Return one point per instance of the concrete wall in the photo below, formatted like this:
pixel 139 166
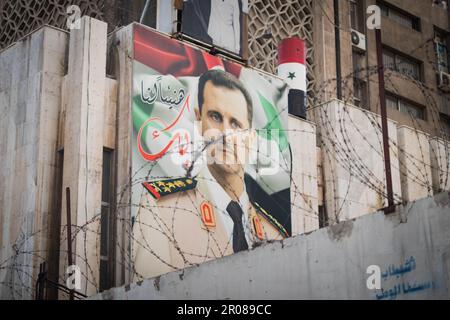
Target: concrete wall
pixel 31 72
pixel 304 184
pixel 411 248
pixel 353 161
pixel 415 163
pixel 44 111
pixel 121 45
pixel 83 148
pixel 440 164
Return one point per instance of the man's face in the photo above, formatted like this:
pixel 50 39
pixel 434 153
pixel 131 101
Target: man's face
pixel 224 120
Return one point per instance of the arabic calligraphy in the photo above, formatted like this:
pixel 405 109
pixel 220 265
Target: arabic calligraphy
pixel 408 266
pixel 182 138
pixel 171 96
pixel 405 287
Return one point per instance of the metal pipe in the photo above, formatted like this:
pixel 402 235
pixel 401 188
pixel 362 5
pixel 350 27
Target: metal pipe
pixel 337 38
pixel 384 124
pixel 144 11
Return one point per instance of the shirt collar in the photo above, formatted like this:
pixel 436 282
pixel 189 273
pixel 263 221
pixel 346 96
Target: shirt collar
pixel 214 192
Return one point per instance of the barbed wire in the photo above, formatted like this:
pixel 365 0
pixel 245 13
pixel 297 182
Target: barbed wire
pixel 345 146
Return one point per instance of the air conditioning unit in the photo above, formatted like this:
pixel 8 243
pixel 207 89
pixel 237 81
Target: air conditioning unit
pixel 444 81
pixel 358 40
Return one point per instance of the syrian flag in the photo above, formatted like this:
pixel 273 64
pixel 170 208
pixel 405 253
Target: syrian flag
pixel 292 69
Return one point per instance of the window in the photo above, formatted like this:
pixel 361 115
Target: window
pixel 356 15
pixel 445 126
pixel 359 80
pixel 106 222
pixel 414 110
pixel 399 16
pixel 440 3
pixel 359 64
pixel 360 93
pixel 442 58
pixel 401 63
pixel 323 219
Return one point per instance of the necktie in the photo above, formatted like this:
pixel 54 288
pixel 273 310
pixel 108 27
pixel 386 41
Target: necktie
pixel 239 241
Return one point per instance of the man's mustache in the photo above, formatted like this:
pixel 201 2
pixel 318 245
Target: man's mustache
pixel 221 145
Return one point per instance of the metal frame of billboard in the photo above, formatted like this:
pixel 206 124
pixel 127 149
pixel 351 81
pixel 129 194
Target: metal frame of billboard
pixel 222 53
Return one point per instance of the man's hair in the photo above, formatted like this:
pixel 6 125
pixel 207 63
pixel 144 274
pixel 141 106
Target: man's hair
pixel 224 79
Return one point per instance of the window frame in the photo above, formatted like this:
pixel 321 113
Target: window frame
pixel 398 54
pixel 445 125
pixel 360 101
pixel 387 8
pixel 360 80
pixel 357 23
pixel 398 99
pixel 444 35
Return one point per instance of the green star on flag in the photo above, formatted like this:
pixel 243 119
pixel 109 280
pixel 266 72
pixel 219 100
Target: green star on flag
pixel 291 75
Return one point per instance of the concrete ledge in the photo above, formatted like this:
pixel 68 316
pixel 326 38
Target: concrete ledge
pixel 330 263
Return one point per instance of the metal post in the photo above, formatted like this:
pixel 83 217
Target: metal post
pixel 69 233
pixel 144 11
pixel 337 39
pixel 39 283
pixel 384 124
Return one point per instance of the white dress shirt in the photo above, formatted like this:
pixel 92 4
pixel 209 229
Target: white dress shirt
pixel 210 190
pixel 224 24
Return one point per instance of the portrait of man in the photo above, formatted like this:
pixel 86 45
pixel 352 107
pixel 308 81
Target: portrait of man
pixel 186 221
pixel 216 22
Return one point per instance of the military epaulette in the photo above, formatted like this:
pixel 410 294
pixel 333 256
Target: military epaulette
pixel 271 220
pixel 161 188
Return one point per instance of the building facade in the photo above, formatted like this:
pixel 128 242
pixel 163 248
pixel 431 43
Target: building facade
pixel 415 55
pixel 65 98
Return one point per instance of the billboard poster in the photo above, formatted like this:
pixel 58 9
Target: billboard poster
pixel 216 22
pixel 211 160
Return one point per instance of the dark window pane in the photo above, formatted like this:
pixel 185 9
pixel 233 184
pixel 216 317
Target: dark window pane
pixel 408 67
pixel 106 176
pixel 442 56
pixel 391 102
pixel 445 127
pixel 104 275
pixel 402 105
pixel 360 93
pixel 388 60
pixel 104 222
pixel 414 111
pixel 405 19
pixel 402 64
pixel 357 15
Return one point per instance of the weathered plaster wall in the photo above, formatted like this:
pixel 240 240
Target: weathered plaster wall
pixel 330 263
pixel 353 160
pixel 31 73
pixel 304 184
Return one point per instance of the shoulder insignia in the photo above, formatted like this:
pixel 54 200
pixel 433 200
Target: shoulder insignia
pixel 161 188
pixel 271 220
pixel 258 228
pixel 207 213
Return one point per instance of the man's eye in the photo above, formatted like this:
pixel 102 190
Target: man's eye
pixel 215 117
pixel 235 125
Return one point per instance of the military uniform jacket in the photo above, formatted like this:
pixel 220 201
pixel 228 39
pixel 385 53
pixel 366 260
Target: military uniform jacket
pixel 178 225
